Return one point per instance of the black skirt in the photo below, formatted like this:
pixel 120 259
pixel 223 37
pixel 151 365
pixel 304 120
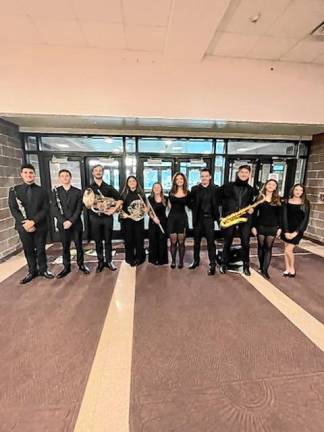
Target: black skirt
pixel 294 241
pixel 267 230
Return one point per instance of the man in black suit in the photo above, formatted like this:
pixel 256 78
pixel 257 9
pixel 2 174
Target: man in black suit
pixel 203 201
pixel 102 223
pixel 67 208
pixel 29 205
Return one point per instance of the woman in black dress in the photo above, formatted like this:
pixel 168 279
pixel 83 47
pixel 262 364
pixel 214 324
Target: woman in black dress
pixel 133 194
pixel 158 246
pixel 295 217
pixel 266 224
pixel 177 223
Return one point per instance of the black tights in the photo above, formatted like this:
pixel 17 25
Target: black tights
pixel 177 241
pixel 265 244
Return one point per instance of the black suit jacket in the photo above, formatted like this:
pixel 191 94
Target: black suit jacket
pixel 36 210
pixel 72 205
pixel 234 198
pixel 195 201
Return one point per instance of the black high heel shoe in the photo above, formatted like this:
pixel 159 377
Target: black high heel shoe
pixel 292 275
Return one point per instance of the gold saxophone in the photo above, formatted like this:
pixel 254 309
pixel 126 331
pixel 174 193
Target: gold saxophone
pixel 236 217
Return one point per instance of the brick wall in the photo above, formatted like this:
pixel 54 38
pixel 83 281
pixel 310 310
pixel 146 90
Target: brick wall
pixel 315 187
pixel 10 161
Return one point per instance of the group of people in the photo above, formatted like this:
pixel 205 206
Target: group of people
pixel 30 205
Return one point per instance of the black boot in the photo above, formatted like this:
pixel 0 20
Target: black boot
pixel 194 264
pixel 64 272
pixel 84 269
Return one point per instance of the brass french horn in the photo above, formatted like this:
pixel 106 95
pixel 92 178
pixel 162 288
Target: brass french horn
pixel 97 203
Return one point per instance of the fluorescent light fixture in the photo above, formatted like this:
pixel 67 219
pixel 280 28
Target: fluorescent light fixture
pixel 109 140
pixel 63 145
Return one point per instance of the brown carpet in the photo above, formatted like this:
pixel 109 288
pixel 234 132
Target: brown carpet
pixel 49 335
pixel 210 354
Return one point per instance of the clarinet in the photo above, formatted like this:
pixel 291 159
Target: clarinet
pixel 58 201
pixel 19 204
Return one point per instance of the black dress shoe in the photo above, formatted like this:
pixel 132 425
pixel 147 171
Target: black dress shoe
pixel 47 274
pixel 223 269
pixel 132 264
pixel 63 273
pixel 100 267
pixel 111 266
pixel 84 269
pixel 194 264
pixel 28 278
pixel 180 265
pixel 173 265
pixel 292 275
pixel 246 270
pixel 211 270
pixel 265 274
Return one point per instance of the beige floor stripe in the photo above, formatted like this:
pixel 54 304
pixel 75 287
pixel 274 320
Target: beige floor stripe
pixel 312 247
pixel 305 322
pixel 105 405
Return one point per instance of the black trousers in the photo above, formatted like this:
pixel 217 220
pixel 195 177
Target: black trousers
pixel 244 231
pixel 158 246
pixel 34 248
pixel 101 229
pixel 205 228
pixel 134 241
pixel 66 239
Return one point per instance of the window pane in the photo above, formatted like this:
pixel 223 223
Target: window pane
pixel 265 148
pixel 130 145
pixel 172 145
pixel 219 170
pixel 130 164
pixel 220 146
pixel 82 144
pixel 300 171
pixel 33 159
pixel 31 143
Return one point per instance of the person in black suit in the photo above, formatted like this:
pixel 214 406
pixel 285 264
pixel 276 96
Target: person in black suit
pixel 101 224
pixel 67 208
pixel 29 205
pixel 203 201
pixel 235 196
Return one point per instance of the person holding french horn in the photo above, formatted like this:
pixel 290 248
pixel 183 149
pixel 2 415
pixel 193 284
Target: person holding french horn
pixel 102 201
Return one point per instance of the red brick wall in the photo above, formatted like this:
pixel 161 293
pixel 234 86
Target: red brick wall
pixel 10 161
pixel 315 187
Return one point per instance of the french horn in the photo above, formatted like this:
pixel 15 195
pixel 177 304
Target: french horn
pixel 97 203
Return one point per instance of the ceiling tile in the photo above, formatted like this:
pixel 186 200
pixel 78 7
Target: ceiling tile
pixel 99 10
pixel 305 51
pixel 272 48
pixel 239 20
pixel 104 35
pixel 234 44
pixel 145 38
pixel 147 12
pixel 299 19
pixel 12 7
pixel 56 32
pixel 18 29
pixel 62 9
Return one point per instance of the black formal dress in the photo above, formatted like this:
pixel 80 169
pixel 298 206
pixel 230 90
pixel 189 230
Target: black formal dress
pixel 295 217
pixel 66 205
pixel 133 232
pixel 204 203
pixel 267 220
pixel 235 196
pixel 35 203
pixel 177 222
pixel 101 225
pixel 158 246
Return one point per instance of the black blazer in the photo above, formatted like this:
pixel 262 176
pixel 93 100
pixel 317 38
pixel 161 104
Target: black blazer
pixel 72 206
pixel 194 201
pixel 36 210
pixel 234 198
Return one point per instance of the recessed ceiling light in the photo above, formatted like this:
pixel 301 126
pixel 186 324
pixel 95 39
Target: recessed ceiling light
pixel 255 18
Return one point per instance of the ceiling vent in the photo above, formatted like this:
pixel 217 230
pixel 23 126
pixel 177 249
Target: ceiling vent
pixel 318 31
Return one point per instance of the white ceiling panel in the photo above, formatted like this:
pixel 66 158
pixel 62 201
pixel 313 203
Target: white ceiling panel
pixel 18 29
pixel 239 21
pixel 299 19
pixel 192 26
pixel 145 38
pixel 62 9
pixel 56 32
pixel 147 12
pixel 272 48
pixel 234 45
pixel 13 7
pixel 99 10
pixel 104 35
pixel 305 51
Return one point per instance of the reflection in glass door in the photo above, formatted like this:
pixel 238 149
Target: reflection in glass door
pixel 234 165
pixel 157 170
pixel 191 169
pixel 276 169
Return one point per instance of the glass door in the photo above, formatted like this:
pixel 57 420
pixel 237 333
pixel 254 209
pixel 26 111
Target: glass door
pixel 273 168
pixel 157 170
pixel 235 163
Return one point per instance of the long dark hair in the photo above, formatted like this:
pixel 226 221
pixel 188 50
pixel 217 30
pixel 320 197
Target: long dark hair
pixel 305 201
pixel 161 194
pixel 275 198
pixel 174 187
pixel 126 188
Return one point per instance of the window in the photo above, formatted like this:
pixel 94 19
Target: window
pixel 31 143
pixel 219 170
pixel 33 159
pixel 175 146
pixel 265 147
pixel 82 144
